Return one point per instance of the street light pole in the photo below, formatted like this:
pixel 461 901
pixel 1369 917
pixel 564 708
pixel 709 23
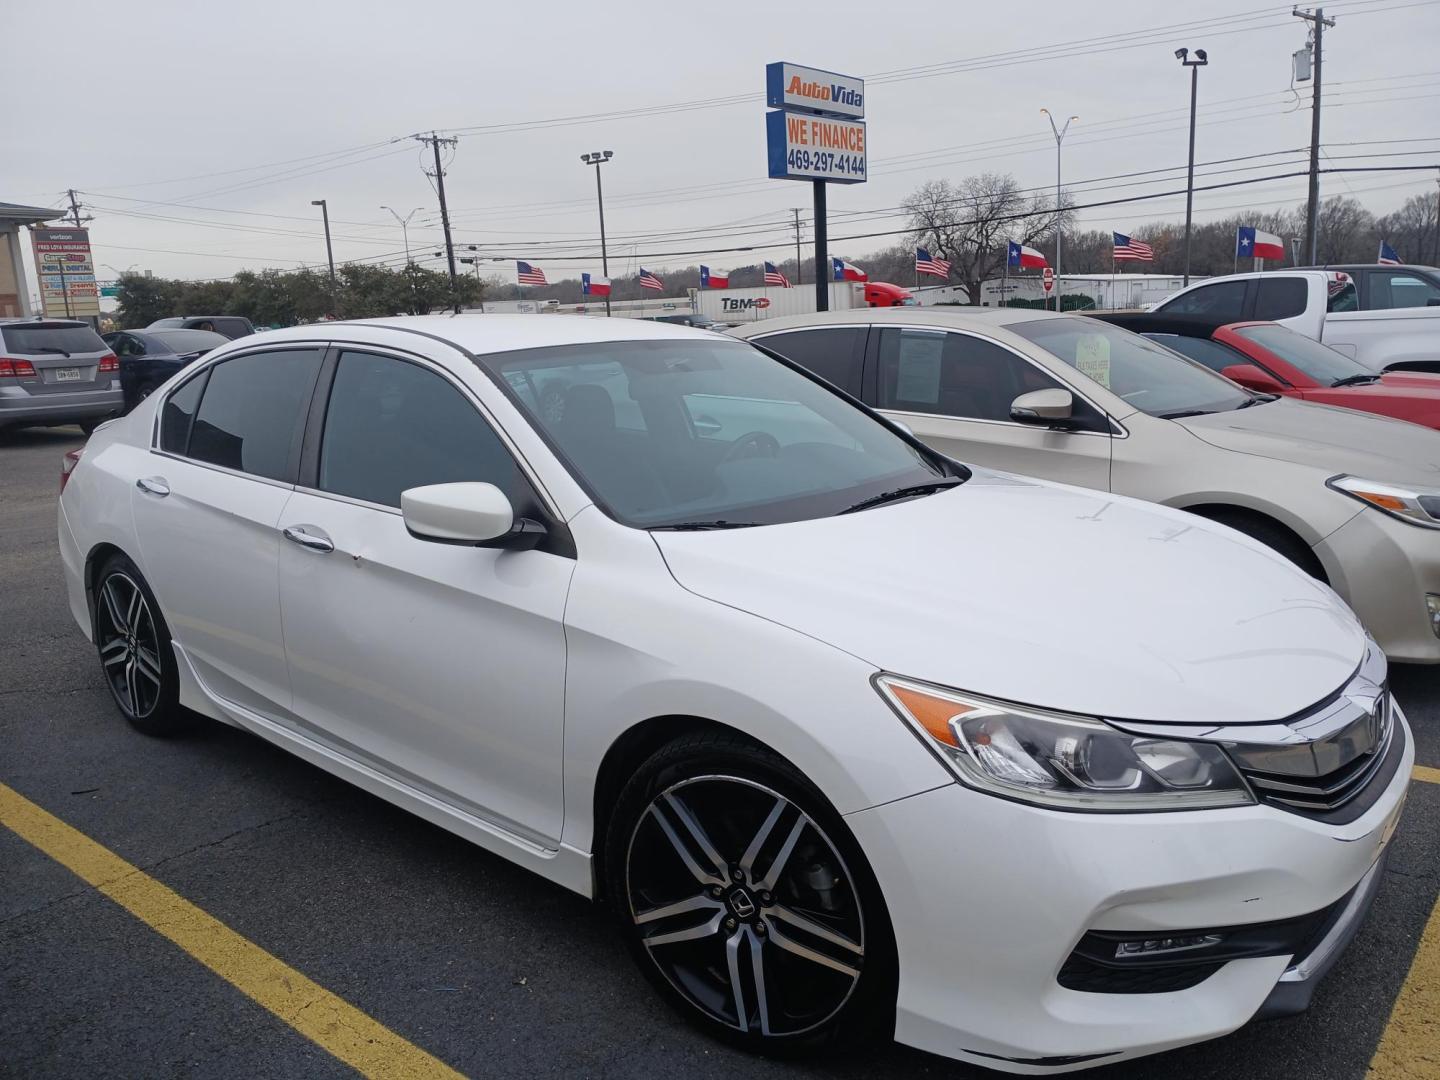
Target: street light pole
pixel 1059 138
pixel 598 158
pixel 1200 60
pixel 329 251
pixel 404 228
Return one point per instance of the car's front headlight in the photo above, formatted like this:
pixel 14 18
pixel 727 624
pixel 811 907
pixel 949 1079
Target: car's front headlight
pixel 1417 506
pixel 1060 761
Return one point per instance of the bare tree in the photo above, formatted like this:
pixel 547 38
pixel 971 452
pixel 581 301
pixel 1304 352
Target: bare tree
pixel 1414 230
pixel 969 223
pixel 1345 230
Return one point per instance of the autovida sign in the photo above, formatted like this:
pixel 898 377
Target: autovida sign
pixel 819 131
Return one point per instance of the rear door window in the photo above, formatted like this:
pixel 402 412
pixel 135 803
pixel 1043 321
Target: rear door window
pixel 1281 298
pixel 178 415
pixel 833 353
pixel 250 415
pixel 1223 300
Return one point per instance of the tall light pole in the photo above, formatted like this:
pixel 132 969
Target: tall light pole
pixel 598 158
pixel 329 251
pixel 404 227
pixel 1059 138
pixel 1199 61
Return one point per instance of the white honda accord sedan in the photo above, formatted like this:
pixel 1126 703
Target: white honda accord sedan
pixel 851 737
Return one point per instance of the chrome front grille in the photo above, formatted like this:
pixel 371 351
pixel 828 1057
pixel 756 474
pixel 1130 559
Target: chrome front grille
pixel 1370 738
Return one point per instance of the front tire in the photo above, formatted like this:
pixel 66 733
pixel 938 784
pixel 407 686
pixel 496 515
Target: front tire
pixel 136 656
pixel 746 901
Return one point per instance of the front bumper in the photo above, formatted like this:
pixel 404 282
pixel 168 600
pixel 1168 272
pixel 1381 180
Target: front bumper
pixel 1383 568
pixel 985 920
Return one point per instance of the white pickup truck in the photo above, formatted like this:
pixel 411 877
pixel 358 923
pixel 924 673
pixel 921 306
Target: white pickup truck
pixel 1385 317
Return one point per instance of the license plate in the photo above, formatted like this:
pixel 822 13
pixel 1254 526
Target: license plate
pixel 68 374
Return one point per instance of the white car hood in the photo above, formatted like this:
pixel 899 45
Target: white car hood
pixel 1047 595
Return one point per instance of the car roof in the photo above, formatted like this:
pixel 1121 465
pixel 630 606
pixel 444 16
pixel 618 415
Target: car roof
pixel 1351 268
pixel 493 333
pixel 39 320
pixel 1181 325
pixel 958 318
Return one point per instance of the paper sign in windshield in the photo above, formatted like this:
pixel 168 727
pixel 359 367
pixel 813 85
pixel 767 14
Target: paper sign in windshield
pixel 1092 358
pixel 918 377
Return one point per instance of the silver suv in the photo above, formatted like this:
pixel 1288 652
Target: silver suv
pixel 56 371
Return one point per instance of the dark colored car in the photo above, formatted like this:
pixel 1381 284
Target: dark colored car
pixel 232 326
pixel 149 357
pixel 1273 359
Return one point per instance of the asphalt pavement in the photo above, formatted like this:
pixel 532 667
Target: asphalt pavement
pixel 485 967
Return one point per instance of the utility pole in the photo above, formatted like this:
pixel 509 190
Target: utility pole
pixel 798 264
pixel 435 142
pixel 1200 60
pixel 822 239
pixel 74 208
pixel 1317 22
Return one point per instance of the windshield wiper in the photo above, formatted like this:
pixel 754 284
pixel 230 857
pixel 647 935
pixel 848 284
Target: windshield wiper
pixel 700 526
pixel 1356 380
pixel 1258 399
pixel 1184 413
pixel 910 492
pixel 52 349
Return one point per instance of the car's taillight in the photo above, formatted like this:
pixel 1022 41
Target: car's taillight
pixel 67 465
pixel 16 369
pixel 109 362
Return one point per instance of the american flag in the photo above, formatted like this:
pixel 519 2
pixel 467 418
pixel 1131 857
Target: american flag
pixel 1387 256
pixel 774 277
pixel 650 281
pixel 530 275
pixel 1126 248
pixel 924 264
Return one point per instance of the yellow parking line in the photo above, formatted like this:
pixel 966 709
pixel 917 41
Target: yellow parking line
pixel 1410 1046
pixel 334 1025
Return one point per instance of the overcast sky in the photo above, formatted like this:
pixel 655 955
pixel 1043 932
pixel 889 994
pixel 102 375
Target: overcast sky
pixel 234 118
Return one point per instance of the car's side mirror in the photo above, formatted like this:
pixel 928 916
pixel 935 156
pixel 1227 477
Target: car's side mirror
pixel 473 514
pixel 1054 406
pixel 1432 301
pixel 1253 378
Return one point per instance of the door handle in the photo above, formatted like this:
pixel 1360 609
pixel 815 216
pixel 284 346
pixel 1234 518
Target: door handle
pixel 309 537
pixel 153 485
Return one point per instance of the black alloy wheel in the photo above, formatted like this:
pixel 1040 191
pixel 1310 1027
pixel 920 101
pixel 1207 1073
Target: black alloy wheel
pixel 135 653
pixel 740 896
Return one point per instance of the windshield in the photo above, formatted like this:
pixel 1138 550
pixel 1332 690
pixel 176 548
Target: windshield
pixel 687 433
pixel 1320 362
pixel 1143 373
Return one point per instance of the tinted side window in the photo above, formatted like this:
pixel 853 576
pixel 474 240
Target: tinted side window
pixel 958 375
pixel 832 353
pixel 250 415
pixel 392 425
pixel 178 414
pixel 1223 300
pixel 1398 290
pixel 1212 354
pixel 1281 298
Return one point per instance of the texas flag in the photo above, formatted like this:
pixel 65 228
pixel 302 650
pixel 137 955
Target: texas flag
pixel 1252 243
pixel 1020 257
pixel 709 279
pixel 593 285
pixel 844 271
